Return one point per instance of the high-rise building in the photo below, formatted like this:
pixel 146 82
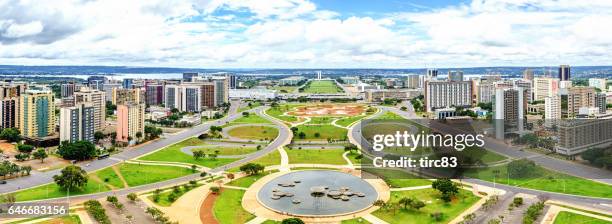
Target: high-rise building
pixel 564 72
pixel 600 102
pixel 432 74
pixel 77 123
pixel 127 83
pixel 154 94
pixel 413 81
pixel 528 74
pixel 130 121
pixel 598 83
pixel 97 99
pixel 108 90
pixel 188 76
pixel 545 87
pixel 190 98
pixel 566 84
pixel 233 80
pixel 552 110
pixel 208 95
pixel 509 109
pixel 37 115
pixel 96 82
pixel 67 89
pixel 578 97
pixel 579 135
pixel 123 96
pixel 172 96
pixel 527 86
pixel 221 91
pixel 9 103
pixel 455 76
pixel 485 93
pixel 441 94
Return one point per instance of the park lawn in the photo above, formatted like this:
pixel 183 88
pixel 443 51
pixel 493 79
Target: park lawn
pixel 253 105
pixel 322 86
pixel 136 175
pixel 226 150
pixel 164 201
pixel 247 181
pixel 254 132
pixel 355 221
pixel 271 222
pixel 547 180
pixel 288 89
pixel 398 178
pixel 251 119
pixel 228 209
pixel 269 159
pixel 109 176
pixel 345 122
pixel 433 203
pixel 389 116
pixel 325 132
pixel 278 112
pixel 321 120
pixel 318 156
pixel 352 157
pixel 565 217
pixel 484 155
pixel 173 154
pixel 52 190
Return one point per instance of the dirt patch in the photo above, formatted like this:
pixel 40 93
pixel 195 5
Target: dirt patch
pixel 327 110
pixel 7 148
pixel 118 172
pixel 206 210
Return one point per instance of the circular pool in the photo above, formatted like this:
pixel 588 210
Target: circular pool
pixel 317 193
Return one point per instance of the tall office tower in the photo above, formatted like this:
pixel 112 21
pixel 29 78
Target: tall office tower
pixel 432 74
pixel 564 72
pixel 552 108
pixel 544 87
pixel 578 97
pixel 108 90
pixel 528 74
pixel 127 83
pixel 221 91
pixel 413 81
pixel 123 96
pixel 441 94
pixel 509 110
pixel 486 91
pixel 190 98
pixel 188 76
pixel 599 83
pixel 455 76
pixel 154 94
pixel 37 115
pixel 97 99
pixel 130 121
pixel 600 102
pixel 233 80
pixel 9 103
pixel 208 95
pixel 527 86
pixel 96 82
pixel 67 89
pixel 172 96
pixel 77 123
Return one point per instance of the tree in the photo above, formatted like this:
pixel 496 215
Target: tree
pixel 405 201
pixel 417 204
pixel 98 135
pixel 521 168
pixel 132 197
pixel 446 187
pixel 138 135
pixel 198 154
pixel 72 177
pixel 79 150
pixel 379 203
pixel 317 135
pixel 292 221
pixel 25 148
pixel 215 190
pixel 245 114
pixel 40 154
pixel 251 168
pixel 194 168
pixel 10 134
pixel 294 129
pixel 302 135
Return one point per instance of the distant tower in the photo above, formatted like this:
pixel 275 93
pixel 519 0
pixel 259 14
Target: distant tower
pixel 528 74
pixel 319 75
pixel 432 74
pixel 564 72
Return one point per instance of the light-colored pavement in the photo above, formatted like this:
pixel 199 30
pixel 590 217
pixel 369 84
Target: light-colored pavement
pixel 284 166
pixel 373 219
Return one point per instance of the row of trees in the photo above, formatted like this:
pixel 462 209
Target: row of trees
pixel 8 169
pixel 27 151
pixel 600 157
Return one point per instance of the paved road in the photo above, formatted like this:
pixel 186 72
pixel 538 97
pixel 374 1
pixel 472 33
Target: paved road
pixel 40 178
pixel 550 163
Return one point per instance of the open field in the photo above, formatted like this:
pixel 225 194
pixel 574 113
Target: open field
pixel 52 190
pixel 565 217
pixel 173 154
pixel 251 119
pixel 463 201
pixel 325 132
pixel 247 181
pixel 164 199
pixel 228 209
pixel 136 175
pixel 226 150
pixel 322 86
pixel 319 156
pixel 328 110
pixel 254 132
pixel 398 178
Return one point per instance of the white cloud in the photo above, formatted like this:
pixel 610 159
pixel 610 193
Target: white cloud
pixel 22 30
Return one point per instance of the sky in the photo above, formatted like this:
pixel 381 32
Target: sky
pixel 306 33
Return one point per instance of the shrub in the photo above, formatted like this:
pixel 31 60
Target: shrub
pixel 95 209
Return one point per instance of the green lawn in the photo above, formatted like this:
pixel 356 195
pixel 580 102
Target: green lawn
pixel 163 197
pixel 136 175
pixel 288 89
pixel 545 180
pixel 253 105
pixel 322 86
pixel 109 176
pixel 271 222
pixel 52 190
pixel 565 217
pixel 251 119
pixel 345 122
pixel 67 219
pixel 278 112
pixel 463 201
pixel 269 159
pixel 355 221
pixel 325 132
pixel 352 156
pixel 318 156
pixel 398 178
pixel 249 180
pixel 254 132
pixel 228 209
pixel 389 116
pixel 173 154
pixel 225 150
pixel 321 120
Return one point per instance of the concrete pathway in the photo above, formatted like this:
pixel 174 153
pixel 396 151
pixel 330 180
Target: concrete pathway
pixel 348 161
pixel 257 220
pixel 234 187
pixel 188 150
pixel 554 210
pixel 373 219
pixel 284 166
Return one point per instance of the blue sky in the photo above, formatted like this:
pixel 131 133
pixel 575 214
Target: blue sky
pixel 306 33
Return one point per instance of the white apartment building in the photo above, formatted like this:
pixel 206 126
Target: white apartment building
pixel 598 83
pixel 545 87
pixel 442 94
